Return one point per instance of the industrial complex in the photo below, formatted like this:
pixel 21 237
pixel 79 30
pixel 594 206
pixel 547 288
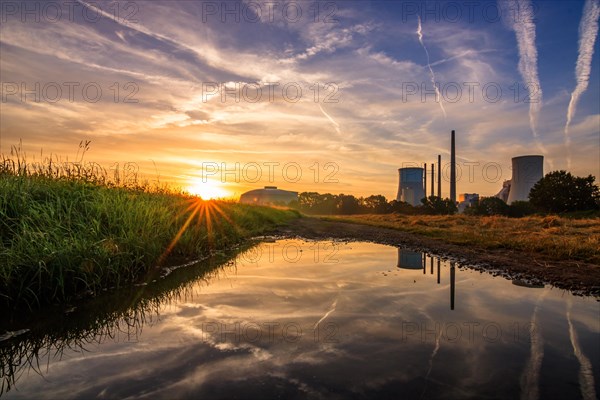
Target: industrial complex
pixel 413 184
pixel 412 187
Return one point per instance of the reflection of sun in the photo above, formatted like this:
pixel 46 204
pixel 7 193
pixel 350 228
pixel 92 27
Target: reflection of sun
pixel 207 190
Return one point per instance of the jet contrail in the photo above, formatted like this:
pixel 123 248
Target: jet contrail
pixel 431 73
pixel 588 31
pixel 524 26
pixel 586 373
pixel 335 124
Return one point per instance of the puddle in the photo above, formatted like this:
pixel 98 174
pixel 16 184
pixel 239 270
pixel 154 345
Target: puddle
pixel 303 319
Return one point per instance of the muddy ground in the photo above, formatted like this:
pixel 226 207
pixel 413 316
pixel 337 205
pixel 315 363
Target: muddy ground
pixel 578 277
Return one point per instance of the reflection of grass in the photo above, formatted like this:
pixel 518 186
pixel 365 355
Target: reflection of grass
pixel 116 315
pixel 556 237
pixel 66 229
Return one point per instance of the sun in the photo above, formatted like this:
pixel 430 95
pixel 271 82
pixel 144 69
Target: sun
pixel 207 190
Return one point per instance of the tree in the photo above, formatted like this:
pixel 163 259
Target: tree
pixel 436 206
pixel 376 204
pixel 488 206
pixel 316 203
pixel 401 207
pixel 347 204
pixel 559 191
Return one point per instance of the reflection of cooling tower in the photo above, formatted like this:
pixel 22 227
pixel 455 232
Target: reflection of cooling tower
pixel 410 259
pixel 527 171
pixel 519 282
pixel 410 188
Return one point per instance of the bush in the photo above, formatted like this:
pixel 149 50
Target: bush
pixel 433 205
pixel 488 206
pixel 519 209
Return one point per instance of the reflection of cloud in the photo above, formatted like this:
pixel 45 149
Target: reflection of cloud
pixel 331 309
pixel 530 379
pixel 181 356
pixel 586 372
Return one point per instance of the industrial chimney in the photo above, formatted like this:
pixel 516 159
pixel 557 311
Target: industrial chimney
pixel 453 169
pixel 439 176
pixel 432 179
pixel 425 179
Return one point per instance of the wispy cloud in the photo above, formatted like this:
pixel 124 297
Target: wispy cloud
pixel 588 31
pixel 522 22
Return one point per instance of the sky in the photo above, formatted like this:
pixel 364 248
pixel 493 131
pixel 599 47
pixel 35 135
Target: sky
pixel 220 97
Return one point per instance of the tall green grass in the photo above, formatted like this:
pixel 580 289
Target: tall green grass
pixel 67 230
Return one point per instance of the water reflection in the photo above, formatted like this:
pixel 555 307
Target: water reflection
pixel 408 259
pixel 325 320
pixel 116 316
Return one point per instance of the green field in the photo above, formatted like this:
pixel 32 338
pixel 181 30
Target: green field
pixel 65 236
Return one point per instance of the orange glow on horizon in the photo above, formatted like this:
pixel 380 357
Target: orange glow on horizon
pixel 208 190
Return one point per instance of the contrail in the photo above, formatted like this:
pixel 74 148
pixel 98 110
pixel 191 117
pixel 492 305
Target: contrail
pixel 524 26
pixel 335 124
pixel 588 31
pixel 586 374
pixel 530 379
pixel 431 73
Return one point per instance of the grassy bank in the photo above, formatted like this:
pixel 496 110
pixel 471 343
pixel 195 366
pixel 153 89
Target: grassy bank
pixel 63 237
pixel 556 237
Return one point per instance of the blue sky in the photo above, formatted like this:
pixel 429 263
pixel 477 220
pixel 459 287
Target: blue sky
pixel 166 56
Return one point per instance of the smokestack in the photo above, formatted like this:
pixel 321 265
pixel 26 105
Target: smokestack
pixel 425 180
pixel 432 178
pixel 440 176
pixel 453 168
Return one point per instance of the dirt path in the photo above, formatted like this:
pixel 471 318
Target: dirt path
pixel 580 278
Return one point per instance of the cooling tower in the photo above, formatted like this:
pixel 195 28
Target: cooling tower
pixel 410 188
pixel 409 259
pixel 527 171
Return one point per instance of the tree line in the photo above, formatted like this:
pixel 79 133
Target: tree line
pixel 557 192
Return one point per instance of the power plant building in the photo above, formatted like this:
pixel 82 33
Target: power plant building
pixel 467 200
pixel 410 187
pixel 270 195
